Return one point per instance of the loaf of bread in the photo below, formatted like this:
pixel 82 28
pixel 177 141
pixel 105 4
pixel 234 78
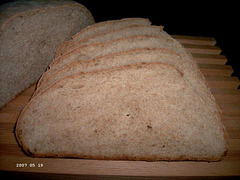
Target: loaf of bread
pixel 121 58
pixel 123 91
pixel 135 112
pixel 101 49
pixel 30 33
pixel 138 41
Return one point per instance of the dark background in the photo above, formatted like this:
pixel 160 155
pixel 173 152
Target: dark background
pixel 219 19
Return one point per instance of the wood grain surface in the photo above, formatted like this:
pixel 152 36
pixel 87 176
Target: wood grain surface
pixel 224 88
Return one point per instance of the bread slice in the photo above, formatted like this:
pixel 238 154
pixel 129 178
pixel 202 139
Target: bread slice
pixel 121 58
pixel 116 34
pixel 137 56
pixel 139 41
pixel 102 27
pixel 30 33
pixel 101 49
pixel 136 112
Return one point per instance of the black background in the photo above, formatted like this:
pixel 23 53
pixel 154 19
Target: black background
pixel 199 18
pixel 219 20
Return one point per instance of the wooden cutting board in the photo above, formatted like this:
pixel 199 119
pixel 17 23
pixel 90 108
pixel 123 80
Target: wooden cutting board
pixel 224 88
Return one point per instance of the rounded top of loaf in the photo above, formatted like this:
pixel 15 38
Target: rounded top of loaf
pixel 11 9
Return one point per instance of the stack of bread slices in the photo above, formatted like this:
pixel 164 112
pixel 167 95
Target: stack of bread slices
pixel 124 90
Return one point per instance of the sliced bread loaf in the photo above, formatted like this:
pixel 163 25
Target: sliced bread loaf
pixel 102 27
pixel 116 34
pixel 136 112
pixel 138 56
pixel 100 49
pixel 30 33
pixel 121 58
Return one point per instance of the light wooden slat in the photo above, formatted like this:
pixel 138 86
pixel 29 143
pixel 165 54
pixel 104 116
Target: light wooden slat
pixel 7 127
pixel 29 91
pixel 234 144
pixel 202 49
pixel 215 66
pixel 209 58
pixel 232 156
pixel 11 108
pixel 233 127
pixel 220 78
pixel 216 70
pixel 22 99
pixel 232 124
pixel 128 168
pixel 11 150
pixel 230 118
pixel 230 109
pixel 227 99
pixel 222 82
pixel 7 138
pixel 195 40
pixel 222 91
pixel 8 117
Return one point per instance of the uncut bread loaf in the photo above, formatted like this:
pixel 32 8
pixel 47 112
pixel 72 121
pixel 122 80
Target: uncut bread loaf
pixel 116 34
pixel 135 112
pixel 30 33
pixel 102 27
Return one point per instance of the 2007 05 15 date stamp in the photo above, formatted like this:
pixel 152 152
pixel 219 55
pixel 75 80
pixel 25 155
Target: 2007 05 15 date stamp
pixel 31 165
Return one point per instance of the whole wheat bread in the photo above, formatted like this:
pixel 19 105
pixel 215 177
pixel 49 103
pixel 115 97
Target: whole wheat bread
pixel 30 33
pixel 137 56
pixel 121 58
pixel 116 34
pixel 100 49
pixel 102 27
pixel 139 41
pixel 136 112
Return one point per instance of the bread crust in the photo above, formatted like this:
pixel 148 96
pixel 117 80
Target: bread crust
pixel 109 56
pixel 70 53
pixel 11 15
pixel 71 3
pixel 71 46
pixel 73 40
